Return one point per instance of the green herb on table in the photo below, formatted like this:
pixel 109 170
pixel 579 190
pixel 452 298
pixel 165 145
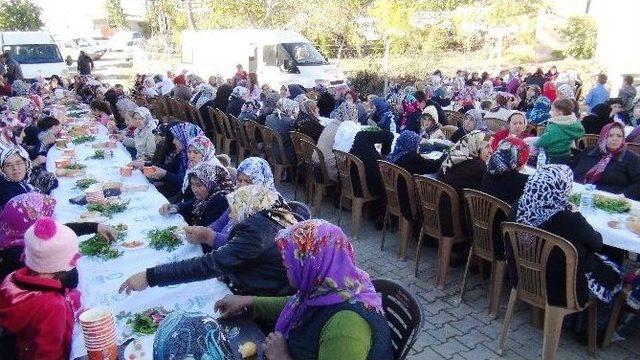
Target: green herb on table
pixel 121 231
pixel 75 166
pixel 85 183
pixel 164 239
pixel 97 155
pixel 83 139
pixel 99 246
pixel 371 128
pixel 147 322
pixel 108 209
pixel 613 205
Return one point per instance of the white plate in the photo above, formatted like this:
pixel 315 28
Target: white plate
pixel 143 244
pixel 137 348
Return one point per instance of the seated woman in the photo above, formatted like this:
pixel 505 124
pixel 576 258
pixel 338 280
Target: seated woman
pixel 563 129
pixel 16 175
pixel 238 96
pixel 531 95
pixel 345 112
pixel 251 171
pixel 335 313
pixel 545 205
pixel 382 114
pixel 473 120
pixel 101 111
pixel 405 154
pixel 539 114
pixel 144 141
pixel 502 109
pixel 430 128
pixel 600 116
pixel 517 128
pixel 611 166
pixel 250 259
pixel 19 214
pixel 503 178
pixel 281 121
pixel 307 121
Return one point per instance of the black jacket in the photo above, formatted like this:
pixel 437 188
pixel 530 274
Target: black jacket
pixel 326 104
pixel 621 176
pixel 85 65
pixel 593 124
pixel 364 149
pixel 250 260
pixel 507 187
pixel 417 165
pixel 467 174
pixel 234 107
pixel 457 135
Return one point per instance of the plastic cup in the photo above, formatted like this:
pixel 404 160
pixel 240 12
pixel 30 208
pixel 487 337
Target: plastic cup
pixel 126 171
pixel 107 353
pixel 148 170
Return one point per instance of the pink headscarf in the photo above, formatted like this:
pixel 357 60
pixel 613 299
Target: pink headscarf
pixel 20 213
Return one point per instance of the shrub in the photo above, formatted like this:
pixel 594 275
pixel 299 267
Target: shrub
pixel 367 82
pixel 580 34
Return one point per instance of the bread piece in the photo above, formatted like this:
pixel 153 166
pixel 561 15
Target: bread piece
pixel 248 349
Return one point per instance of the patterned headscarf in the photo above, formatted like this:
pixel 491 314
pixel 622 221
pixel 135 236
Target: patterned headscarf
pixel 606 156
pixel 269 104
pixel 240 92
pixel 307 112
pixel 511 154
pixel 249 110
pixel 203 146
pixel 184 132
pixel 347 112
pixel 20 213
pixel 467 148
pixel 540 111
pixel 217 181
pixel 410 105
pixel 20 88
pixel 478 118
pixel 545 194
pixel 258 170
pixel 149 121
pixel 30 113
pixel 16 103
pixel 207 92
pixel 10 129
pixel 252 199
pixel 406 143
pixel 567 91
pixel 287 107
pixel 6 153
pixel 320 264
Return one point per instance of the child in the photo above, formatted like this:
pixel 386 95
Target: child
pixel 35 305
pixel 101 110
pixel 562 130
pixel 430 128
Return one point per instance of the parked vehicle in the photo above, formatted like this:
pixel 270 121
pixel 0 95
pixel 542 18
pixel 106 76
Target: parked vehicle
pixel 278 57
pixel 72 47
pixel 122 40
pixel 36 51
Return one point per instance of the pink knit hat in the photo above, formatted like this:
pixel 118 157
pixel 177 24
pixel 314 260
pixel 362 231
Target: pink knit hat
pixel 50 247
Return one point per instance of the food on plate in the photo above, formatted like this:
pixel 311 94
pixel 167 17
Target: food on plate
pixel 136 351
pixel 99 246
pixel 614 224
pixel 121 231
pixel 164 239
pixel 83 139
pixel 108 209
pixel 97 155
pixel 62 162
pixel 75 166
pixel 134 244
pixel 609 204
pixel 248 349
pixel 147 322
pixel 633 224
pixel 126 171
pixel 84 183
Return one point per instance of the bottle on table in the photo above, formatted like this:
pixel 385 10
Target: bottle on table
pixel 586 198
pixel 392 126
pixel 542 159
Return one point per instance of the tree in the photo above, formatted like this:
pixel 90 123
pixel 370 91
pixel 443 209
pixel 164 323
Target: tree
pixel 261 14
pixel 580 34
pixel 19 15
pixel 115 15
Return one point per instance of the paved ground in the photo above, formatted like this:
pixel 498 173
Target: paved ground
pixel 453 330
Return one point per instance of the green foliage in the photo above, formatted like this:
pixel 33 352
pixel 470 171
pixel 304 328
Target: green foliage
pixel 115 15
pixel 19 15
pixel 367 82
pixel 269 14
pixel 580 34
pixel 504 12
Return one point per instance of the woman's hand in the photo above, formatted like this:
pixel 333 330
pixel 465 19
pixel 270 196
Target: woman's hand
pixel 107 231
pixel 199 235
pixel 275 347
pixel 111 126
pixel 136 164
pixel 232 304
pixel 40 160
pixel 158 173
pixel 136 282
pixel 167 209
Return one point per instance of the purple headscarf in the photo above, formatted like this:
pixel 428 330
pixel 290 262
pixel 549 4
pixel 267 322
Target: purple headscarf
pixel 20 213
pixel 185 132
pixel 320 264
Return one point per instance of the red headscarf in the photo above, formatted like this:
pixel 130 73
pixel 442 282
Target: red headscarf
pixel 606 155
pixel 180 80
pixel 549 91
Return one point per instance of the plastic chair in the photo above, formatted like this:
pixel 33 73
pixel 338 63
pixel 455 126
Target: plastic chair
pixel 531 250
pixel 272 140
pixel 216 127
pixel 495 125
pixel 296 138
pixel 482 209
pixel 454 118
pixel 253 129
pixel 391 176
pixel 615 315
pixel 588 141
pixel 242 141
pixel 635 147
pixel 227 132
pixel 449 130
pixel 430 191
pixel 317 183
pixel 345 162
pixel 403 313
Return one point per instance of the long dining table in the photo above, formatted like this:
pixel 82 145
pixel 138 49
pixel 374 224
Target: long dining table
pixel 101 279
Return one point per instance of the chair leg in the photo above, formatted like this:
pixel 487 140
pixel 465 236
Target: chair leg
pixel 278 174
pixel 444 255
pixel 356 215
pixel 339 208
pixel 497 278
pixel 553 318
pixel 405 235
pixel 506 325
pixel 537 317
pixel 613 320
pixel 385 225
pixel 466 274
pixel 318 195
pixel 418 248
pixel 592 327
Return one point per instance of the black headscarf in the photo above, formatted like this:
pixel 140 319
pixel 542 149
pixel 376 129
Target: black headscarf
pixel 222 97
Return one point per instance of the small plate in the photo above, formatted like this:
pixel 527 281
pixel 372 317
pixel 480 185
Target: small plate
pixel 135 244
pixel 136 351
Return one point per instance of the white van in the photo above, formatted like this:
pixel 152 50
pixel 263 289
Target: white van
pixel 278 57
pixel 36 52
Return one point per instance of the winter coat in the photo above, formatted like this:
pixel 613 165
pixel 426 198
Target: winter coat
pixel 559 135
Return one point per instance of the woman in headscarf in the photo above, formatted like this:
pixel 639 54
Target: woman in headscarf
pixel 514 81
pixel 345 113
pixel 15 175
pixel 149 88
pixel 545 205
pixel 382 114
pixel 221 100
pixel 144 140
pixel 549 91
pixel 250 261
pixel 473 120
pixel 430 128
pixel 463 168
pixel 249 110
pixel 204 97
pixel 529 97
pixel 307 122
pixel 503 178
pixel 281 121
pixel 335 312
pixel 611 166
pixel 268 107
pixel 517 122
pixel 405 154
pixel 540 112
pixel 600 116
pixel 412 110
pixel 238 97
pixel 251 171
pixel 326 101
pixel 181 90
pixel 466 97
pixel 486 92
pixel 502 110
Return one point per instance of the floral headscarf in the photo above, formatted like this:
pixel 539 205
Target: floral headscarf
pixel 184 132
pixel 10 129
pixel 567 91
pixel 6 153
pixel 30 113
pixel 20 88
pixel 207 93
pixel 540 111
pixel 307 112
pixel 16 103
pixel 20 213
pixel 347 112
pixel 467 148
pixel 486 91
pixel 240 92
pixel 149 121
pixel 203 146
pixel 258 170
pixel 287 107
pixel 606 156
pixel 320 264
pixel 269 104
pixel 467 96
pixel 511 154
pixel 545 194
pixel 252 199
pixel 249 110
pixel 217 181
pixel 406 143
pixel 410 105
pixel 478 118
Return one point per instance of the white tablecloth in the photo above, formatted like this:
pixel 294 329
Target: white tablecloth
pixel 100 280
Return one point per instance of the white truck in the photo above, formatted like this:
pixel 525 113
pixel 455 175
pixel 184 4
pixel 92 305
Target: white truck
pixel 36 51
pixel 278 57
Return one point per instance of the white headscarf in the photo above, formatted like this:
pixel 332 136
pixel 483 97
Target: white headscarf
pixel 346 135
